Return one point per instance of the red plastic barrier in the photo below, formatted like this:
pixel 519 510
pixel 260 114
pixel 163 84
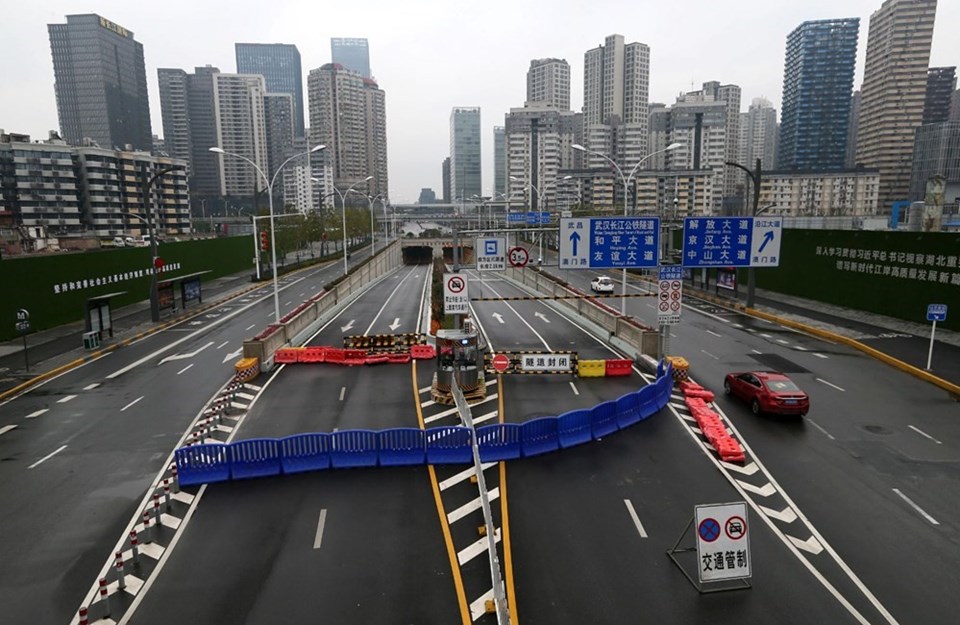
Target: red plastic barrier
pixel 286 355
pixel 702 393
pixel 687 385
pixel 617 366
pixel 354 357
pixel 423 352
pixel 399 359
pixel 334 355
pixel 730 450
pixel 695 404
pixel 376 359
pixel 313 354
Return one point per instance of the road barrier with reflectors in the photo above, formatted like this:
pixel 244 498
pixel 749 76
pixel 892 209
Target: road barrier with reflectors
pixel 218 462
pixel 591 368
pixel 617 367
pixel 710 423
pixel 247 369
pixel 384 341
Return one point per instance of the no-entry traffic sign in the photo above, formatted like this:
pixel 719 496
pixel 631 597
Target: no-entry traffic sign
pixel 500 362
pixel 723 546
pixel 455 299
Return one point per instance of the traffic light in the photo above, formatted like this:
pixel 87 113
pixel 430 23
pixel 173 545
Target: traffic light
pixel 264 242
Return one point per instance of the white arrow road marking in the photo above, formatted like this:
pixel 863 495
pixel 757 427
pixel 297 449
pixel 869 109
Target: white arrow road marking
pixel 764 491
pixel 186 355
pixel 396 324
pixel 131 403
pixel 498 317
pixel 48 456
pixel 810 545
pixel 747 469
pixel 320 524
pixel 636 519
pixel 348 326
pixel 233 355
pixel 787 515
pixel 541 316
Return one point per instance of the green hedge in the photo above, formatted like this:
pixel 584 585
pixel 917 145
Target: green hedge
pixel 55 288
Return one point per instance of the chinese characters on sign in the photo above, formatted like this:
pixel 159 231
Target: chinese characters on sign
pixel 86 283
pixel 553 363
pixel 732 241
pixel 723 547
pixel 670 295
pixel 491 254
pixel 609 242
pixel 455 298
pixel 937 268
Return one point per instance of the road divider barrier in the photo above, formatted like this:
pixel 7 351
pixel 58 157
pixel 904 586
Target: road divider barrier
pixel 202 463
pixel 423 352
pixel 384 341
pixel 310 354
pixel 352 357
pixel 617 367
pixel 592 368
pixel 681 368
pixel 289 355
pixel 711 425
pixel 247 369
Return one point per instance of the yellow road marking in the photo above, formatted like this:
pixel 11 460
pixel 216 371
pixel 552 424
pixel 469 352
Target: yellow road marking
pixel 505 523
pixel 444 526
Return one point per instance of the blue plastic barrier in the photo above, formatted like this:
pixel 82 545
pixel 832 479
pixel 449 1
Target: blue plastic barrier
pixel 401 446
pixel 628 411
pixel 540 436
pixel 604 417
pixel 305 452
pixel 574 428
pixel 499 441
pixel 449 445
pixel 353 448
pixel 648 403
pixel 200 464
pixel 257 457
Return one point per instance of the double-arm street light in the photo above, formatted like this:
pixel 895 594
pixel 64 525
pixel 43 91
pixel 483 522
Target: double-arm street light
pixel 148 220
pixel 540 195
pixel 755 179
pixel 343 212
pixel 626 200
pixel 371 199
pixel 273 231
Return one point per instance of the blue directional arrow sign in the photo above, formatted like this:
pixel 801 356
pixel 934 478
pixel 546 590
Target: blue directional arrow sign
pixel 732 241
pixel 609 242
pixel 936 312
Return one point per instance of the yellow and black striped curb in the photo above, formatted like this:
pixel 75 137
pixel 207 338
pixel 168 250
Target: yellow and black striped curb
pixel 384 341
pixel 530 298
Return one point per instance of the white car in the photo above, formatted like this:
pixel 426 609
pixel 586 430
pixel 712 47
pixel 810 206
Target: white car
pixel 602 284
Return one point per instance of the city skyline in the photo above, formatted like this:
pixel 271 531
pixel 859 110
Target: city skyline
pixel 406 65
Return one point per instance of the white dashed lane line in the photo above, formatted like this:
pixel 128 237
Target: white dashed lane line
pixel 924 434
pixel 37 413
pixel 131 403
pixel 47 457
pixel 919 510
pixel 90 387
pixel 64 400
pixel 714 333
pixel 830 385
pixel 6 429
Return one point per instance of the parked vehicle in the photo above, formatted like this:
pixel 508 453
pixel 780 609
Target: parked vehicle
pixel 767 392
pixel 602 284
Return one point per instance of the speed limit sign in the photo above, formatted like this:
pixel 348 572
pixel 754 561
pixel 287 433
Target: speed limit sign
pixel 518 257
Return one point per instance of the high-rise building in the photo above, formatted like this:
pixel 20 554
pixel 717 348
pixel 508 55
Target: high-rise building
pixel 445 177
pixel 616 86
pixel 348 115
pixel 352 53
pixel 817 82
pixel 698 123
pixel 548 83
pixel 936 151
pixel 851 160
pixel 729 95
pixel 278 115
pixel 175 112
pixel 893 92
pixel 241 129
pixel 100 82
pixel 539 143
pixel 465 167
pixel 758 132
pixel 941 83
pixel 658 130
pixel 955 106
pixel 279 64
pixel 499 161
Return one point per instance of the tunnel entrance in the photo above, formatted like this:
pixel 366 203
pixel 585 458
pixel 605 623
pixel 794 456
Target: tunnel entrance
pixel 417 255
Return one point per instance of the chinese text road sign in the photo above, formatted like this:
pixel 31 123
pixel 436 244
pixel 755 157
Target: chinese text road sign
pixel 516 218
pixel 491 253
pixel 545 363
pixel 937 312
pixel 723 546
pixel 732 241
pixel 455 298
pixel 608 242
pixel 670 295
pixel 538 218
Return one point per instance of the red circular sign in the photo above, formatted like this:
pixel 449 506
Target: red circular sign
pixel 456 284
pixel 500 362
pixel 158 262
pixel 735 527
pixel 518 257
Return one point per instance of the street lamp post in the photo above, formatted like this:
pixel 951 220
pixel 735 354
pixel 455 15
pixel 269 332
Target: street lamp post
pixel 373 199
pixel 273 230
pixel 626 201
pixel 540 195
pixel 148 208
pixel 755 179
pixel 343 212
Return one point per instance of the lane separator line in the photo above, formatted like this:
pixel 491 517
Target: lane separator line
pixel 48 456
pixel 636 519
pixel 924 434
pixel 920 510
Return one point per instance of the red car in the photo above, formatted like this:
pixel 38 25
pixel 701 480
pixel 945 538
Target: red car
pixel 767 392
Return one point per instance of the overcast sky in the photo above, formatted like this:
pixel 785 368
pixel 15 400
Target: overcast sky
pixel 430 56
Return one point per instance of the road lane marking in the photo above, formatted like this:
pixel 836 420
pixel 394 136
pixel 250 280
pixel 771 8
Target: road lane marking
pixel 756 351
pixel 810 545
pixel 783 342
pixel 574 387
pixel 387 302
pixel 131 403
pixel 505 521
pixel 826 433
pixel 922 433
pixel 65 399
pixel 800 348
pixel 479 606
pixel 184 369
pixel 343 391
pixel 636 519
pixel 37 413
pixel 766 336
pixel 222 345
pixel 90 387
pixel 916 507
pixel 320 524
pixel 48 456
pixel 829 384
pixel 709 354
pixel 287 303
pixel 250 327
pixel 715 334
pixel 787 515
pixel 6 429
pixel 819 355
pixel 472 551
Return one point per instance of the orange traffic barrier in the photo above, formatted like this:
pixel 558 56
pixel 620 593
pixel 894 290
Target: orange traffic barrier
pixel 354 356
pixel 423 352
pixel 399 359
pixel 287 355
pixel 334 355
pixel 702 393
pixel 730 450
pixel 376 359
pixel 617 366
pixel 313 354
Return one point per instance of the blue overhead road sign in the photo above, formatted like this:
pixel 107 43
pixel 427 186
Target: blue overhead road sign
pixel 732 241
pixel 516 218
pixel 609 242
